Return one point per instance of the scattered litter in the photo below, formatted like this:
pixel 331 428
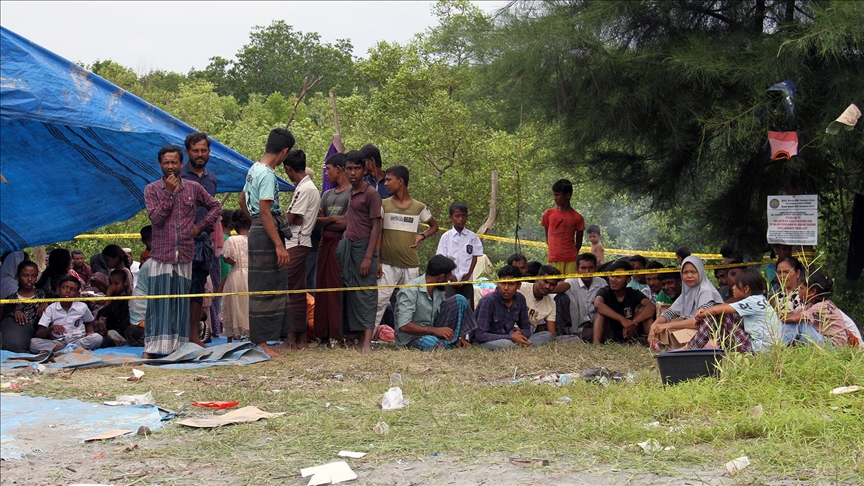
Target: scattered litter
pixel 381 428
pixel 650 446
pixel 98 456
pixel 393 399
pixel 216 405
pixel 137 373
pixel 130 449
pixel 756 412
pixel 109 434
pixel 144 430
pixel 736 465
pixel 564 379
pixel 85 484
pixel 529 462
pixel 333 473
pixel 352 455
pixel 338 376
pixel 327 405
pixel 565 399
pixel 99 395
pixel 395 379
pixel 670 448
pixel 676 428
pixel 845 389
pixel 652 425
pixel 245 414
pixel 143 399
pixel 602 375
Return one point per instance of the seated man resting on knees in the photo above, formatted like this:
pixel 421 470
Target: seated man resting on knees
pixel 502 316
pixel 541 307
pixel 66 322
pixel 425 319
pixel 670 282
pixel 617 318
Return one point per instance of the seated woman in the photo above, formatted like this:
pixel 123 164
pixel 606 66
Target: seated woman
pixel 115 259
pixel 821 322
pixel 784 297
pixel 59 265
pixel 749 324
pixel 696 293
pixel 20 320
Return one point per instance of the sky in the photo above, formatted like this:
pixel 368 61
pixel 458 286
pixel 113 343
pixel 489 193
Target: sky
pixel 178 36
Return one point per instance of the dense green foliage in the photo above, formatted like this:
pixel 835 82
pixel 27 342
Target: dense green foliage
pixel 657 111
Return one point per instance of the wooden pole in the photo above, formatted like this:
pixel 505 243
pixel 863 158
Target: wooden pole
pixel 493 206
pixel 335 112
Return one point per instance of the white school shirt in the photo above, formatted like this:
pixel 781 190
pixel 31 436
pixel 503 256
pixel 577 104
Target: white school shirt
pixel 461 248
pixel 304 202
pixel 73 320
pixel 760 321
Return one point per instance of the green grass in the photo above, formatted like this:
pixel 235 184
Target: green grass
pixel 462 404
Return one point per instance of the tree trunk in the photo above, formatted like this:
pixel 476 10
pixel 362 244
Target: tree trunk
pixel 493 206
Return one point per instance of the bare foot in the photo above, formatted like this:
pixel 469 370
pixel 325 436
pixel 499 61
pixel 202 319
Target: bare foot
pixel 198 342
pixel 230 339
pixel 148 356
pixel 273 354
pixel 367 349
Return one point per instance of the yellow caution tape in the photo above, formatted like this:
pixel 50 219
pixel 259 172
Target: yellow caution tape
pixel 371 287
pixel 539 244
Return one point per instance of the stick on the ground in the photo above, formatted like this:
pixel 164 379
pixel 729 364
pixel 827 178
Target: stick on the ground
pixel 306 88
pixel 493 206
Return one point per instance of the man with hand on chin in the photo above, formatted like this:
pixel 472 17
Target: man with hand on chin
pixel 171 203
pixel 425 319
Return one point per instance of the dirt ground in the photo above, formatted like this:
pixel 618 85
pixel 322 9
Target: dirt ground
pixel 120 462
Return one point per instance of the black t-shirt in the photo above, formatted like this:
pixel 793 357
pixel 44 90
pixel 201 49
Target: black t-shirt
pixel 626 308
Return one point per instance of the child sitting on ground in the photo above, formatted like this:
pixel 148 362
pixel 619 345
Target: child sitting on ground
pixel 235 308
pixel 821 322
pixel 114 317
pixel 758 326
pixel 596 247
pixel 65 322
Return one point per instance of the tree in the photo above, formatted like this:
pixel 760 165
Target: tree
pixel 669 100
pixel 277 59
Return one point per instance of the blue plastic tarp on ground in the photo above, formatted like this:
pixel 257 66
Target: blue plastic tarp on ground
pixel 76 150
pixel 29 423
pixel 189 356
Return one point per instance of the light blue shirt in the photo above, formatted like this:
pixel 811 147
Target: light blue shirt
pixel 261 184
pixel 760 321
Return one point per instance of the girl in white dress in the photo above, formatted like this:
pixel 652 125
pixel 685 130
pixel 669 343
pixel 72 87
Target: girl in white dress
pixel 235 308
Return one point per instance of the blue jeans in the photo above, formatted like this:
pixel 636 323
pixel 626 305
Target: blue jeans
pixel 537 339
pixel 803 333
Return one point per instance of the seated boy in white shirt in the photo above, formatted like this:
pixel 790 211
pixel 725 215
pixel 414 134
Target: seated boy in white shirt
pixel 65 322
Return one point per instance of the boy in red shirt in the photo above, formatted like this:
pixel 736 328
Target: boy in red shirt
pixel 564 229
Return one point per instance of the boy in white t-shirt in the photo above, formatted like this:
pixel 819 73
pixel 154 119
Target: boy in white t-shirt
pixel 758 317
pixel 65 322
pixel 463 246
pixel 541 305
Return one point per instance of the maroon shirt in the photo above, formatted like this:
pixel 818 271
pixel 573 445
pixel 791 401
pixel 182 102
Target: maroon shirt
pixel 363 207
pixel 85 273
pixel 173 218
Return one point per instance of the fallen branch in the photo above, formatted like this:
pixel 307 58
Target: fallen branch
pixel 306 88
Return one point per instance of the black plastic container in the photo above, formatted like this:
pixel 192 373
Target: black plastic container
pixel 678 366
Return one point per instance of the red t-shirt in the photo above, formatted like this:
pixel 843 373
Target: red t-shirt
pixel 561 229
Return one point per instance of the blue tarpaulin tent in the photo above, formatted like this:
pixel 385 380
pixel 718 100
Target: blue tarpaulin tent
pixel 76 151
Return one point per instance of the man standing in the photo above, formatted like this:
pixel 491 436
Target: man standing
pixel 331 221
pixel 425 319
pixel 198 152
pixel 357 254
pixel 268 316
pixel 399 239
pixel 302 213
pixel 374 175
pixel 171 203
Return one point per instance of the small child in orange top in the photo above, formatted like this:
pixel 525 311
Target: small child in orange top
pixel 596 247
